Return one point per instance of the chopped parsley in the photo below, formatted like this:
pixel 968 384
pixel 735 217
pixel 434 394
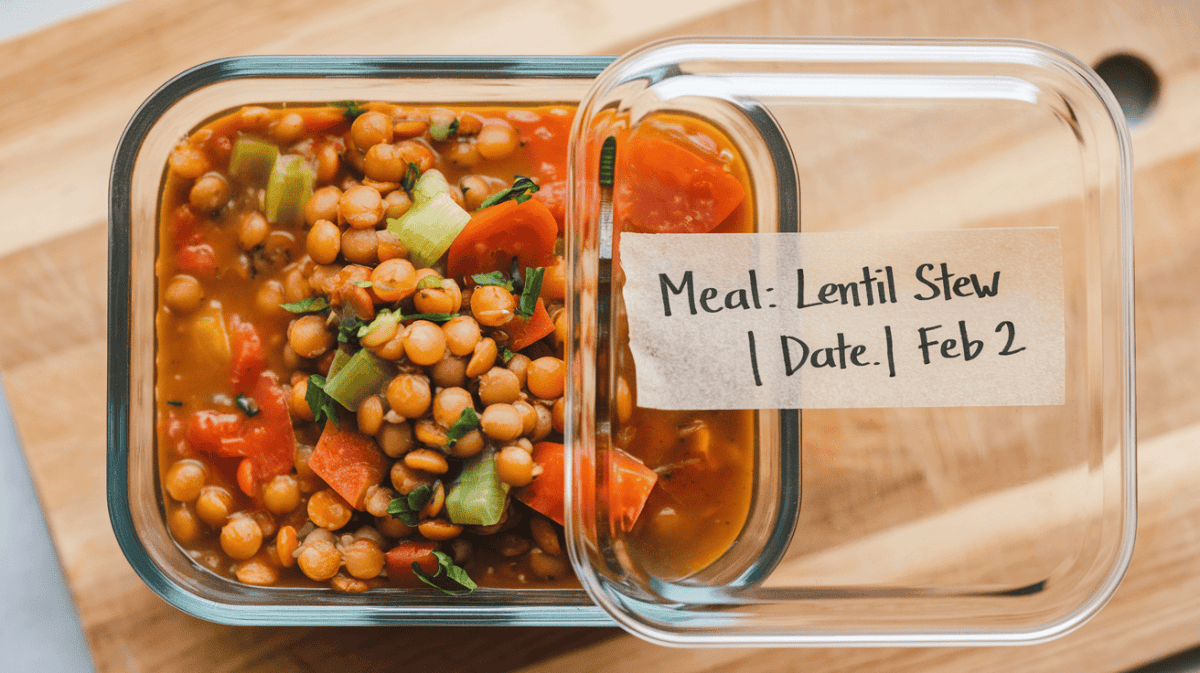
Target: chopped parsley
pixel 506 355
pixel 407 507
pixel 430 282
pixel 521 191
pixel 467 421
pixel 352 109
pixel 349 328
pixel 451 579
pixel 494 278
pixel 432 317
pixel 175 403
pixel 410 177
pixel 247 405
pixel 310 305
pixel 443 131
pixel 322 405
pixel 533 288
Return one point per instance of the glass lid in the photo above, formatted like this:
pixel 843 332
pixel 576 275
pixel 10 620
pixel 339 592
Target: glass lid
pixel 852 343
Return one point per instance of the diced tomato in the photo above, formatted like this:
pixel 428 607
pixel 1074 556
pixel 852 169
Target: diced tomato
pixel 199 259
pixel 496 235
pixel 545 493
pixel 400 559
pixel 554 195
pixel 630 485
pixel 662 187
pixel 525 331
pixel 245 476
pixel 349 461
pixel 217 433
pixel 270 439
pixel 267 439
pixel 249 357
pixel 186 226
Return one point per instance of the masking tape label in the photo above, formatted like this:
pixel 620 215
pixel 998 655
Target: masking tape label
pixel 847 319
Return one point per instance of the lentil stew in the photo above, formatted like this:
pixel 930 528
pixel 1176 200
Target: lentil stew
pixel 360 363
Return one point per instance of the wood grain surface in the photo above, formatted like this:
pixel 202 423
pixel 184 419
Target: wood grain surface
pixel 70 89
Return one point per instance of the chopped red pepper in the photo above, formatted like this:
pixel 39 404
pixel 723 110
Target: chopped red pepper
pixel 348 461
pixel 525 331
pixel 630 485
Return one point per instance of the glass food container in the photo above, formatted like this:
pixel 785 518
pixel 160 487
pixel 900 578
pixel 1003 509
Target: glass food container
pixel 931 506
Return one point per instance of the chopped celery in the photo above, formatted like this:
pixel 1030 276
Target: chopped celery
pixel 433 221
pixel 288 190
pixel 384 318
pixel 431 184
pixel 478 497
pixel 252 159
pixel 363 375
pixel 340 358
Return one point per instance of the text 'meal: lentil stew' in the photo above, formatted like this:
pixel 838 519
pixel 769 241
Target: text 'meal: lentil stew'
pixel 360 365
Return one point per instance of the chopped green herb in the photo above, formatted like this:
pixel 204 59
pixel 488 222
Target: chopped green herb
pixel 310 305
pixel 348 328
pixel 432 317
pixel 522 189
pixel 363 283
pixel 175 403
pixel 533 288
pixel 352 108
pixel 443 131
pixel 456 579
pixel 322 405
pixel 408 507
pixel 429 282
pixel 493 278
pixel 247 405
pixel 410 177
pixel 467 421
pixel 506 355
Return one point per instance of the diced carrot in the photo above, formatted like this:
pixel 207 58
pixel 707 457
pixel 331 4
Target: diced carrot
pixel 348 461
pixel 249 357
pixel 400 559
pixel 525 331
pixel 245 476
pixel 630 485
pixel 319 119
pixel 497 234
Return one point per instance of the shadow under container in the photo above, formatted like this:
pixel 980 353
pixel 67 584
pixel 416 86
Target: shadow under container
pixel 906 525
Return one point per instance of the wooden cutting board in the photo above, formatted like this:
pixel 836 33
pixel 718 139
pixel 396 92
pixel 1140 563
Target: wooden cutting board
pixel 69 91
